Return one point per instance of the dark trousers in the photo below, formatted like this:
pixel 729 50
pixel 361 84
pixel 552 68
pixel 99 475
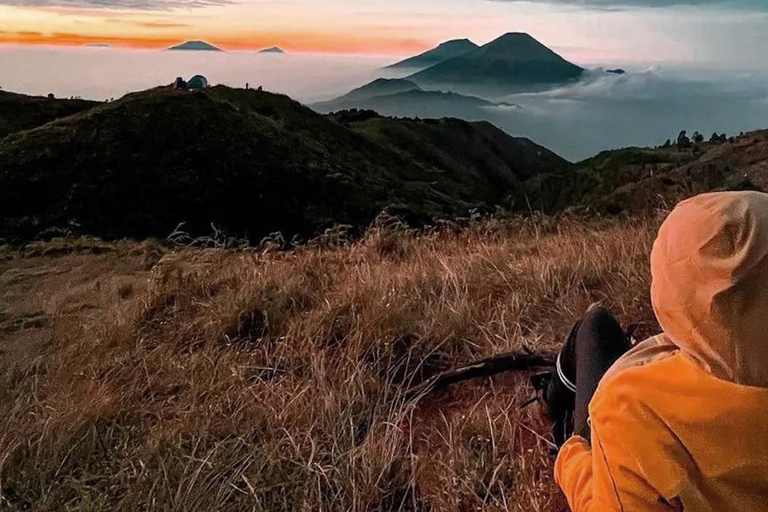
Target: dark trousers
pixel 593 345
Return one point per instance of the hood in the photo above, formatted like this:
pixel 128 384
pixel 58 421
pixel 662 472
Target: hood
pixel 710 283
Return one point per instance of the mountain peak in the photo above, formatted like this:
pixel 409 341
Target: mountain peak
pixel 456 42
pixel 195 46
pixel 444 51
pixel 518 35
pixel 516 38
pixel 514 62
pixel 274 49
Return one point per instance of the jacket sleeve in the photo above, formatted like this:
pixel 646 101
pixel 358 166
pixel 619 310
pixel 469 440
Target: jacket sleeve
pixel 605 480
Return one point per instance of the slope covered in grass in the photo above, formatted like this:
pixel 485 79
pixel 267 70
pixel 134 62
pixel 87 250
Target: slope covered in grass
pixel 249 162
pixel 635 180
pixel 482 160
pixel 20 112
pixel 229 380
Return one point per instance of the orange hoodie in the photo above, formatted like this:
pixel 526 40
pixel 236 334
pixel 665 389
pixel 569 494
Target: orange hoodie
pixel 681 421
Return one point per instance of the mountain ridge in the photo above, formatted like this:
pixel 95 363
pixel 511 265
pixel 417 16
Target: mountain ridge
pixel 440 53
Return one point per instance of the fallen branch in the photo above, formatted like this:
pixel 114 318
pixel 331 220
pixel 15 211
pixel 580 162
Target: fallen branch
pixel 483 368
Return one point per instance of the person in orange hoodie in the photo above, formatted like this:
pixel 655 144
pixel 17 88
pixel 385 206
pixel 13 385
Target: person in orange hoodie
pixel 680 421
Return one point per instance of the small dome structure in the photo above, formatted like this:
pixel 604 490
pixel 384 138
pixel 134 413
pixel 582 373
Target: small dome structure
pixel 197 82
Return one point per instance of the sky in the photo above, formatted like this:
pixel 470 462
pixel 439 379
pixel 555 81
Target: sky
pixel 730 33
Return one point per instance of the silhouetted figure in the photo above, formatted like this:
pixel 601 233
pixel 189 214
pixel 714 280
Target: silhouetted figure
pixel 247 86
pixel 683 141
pixel 718 138
pixel 179 83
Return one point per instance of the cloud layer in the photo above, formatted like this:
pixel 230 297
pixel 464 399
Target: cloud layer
pixel 618 4
pixel 139 5
pixel 157 5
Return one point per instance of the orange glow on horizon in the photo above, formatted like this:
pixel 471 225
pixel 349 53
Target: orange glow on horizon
pixel 309 43
pixel 237 26
pixel 296 42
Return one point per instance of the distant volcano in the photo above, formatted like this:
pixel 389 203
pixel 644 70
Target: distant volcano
pixel 445 51
pixel 513 62
pixel 274 49
pixel 379 87
pixel 199 46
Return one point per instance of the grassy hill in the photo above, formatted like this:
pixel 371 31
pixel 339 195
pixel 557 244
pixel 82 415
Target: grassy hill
pixel 484 161
pixel 636 179
pixel 249 162
pixel 20 112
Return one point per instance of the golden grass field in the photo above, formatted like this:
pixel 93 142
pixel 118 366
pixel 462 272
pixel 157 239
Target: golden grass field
pixel 141 377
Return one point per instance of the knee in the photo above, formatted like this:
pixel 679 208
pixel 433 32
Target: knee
pixel 600 331
pixel 599 317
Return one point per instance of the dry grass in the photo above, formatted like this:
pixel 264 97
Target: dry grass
pixel 270 381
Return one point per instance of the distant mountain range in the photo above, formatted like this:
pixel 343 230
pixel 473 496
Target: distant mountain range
pixel 393 96
pixel 274 49
pixel 512 63
pixel 443 52
pixel 463 78
pixel 379 87
pixel 196 46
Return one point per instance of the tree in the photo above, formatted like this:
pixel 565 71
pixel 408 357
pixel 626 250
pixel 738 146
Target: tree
pixel 697 138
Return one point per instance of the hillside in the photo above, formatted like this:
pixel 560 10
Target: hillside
pixel 637 180
pixel 392 97
pixel 441 53
pixel 648 179
pixel 139 377
pixel 248 162
pixel 379 87
pixel 484 161
pixel 20 112
pixel 512 63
